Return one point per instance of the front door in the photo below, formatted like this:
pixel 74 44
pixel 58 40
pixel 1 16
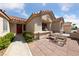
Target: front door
pixel 19 28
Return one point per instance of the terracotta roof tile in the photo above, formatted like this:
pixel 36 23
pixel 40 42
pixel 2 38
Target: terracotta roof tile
pixel 17 19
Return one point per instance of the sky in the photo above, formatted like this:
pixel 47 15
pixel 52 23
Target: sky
pixel 69 11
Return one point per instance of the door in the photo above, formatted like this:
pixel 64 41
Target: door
pixel 19 28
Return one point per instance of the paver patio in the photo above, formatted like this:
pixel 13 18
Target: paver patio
pixel 45 47
pixel 18 48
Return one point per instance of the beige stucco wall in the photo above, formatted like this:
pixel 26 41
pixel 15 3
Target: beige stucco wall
pixel 49 26
pixel 67 28
pixel 48 20
pixel 35 25
pixel 56 26
pixel 1 26
pixel 13 27
pixel 30 27
pixel 38 24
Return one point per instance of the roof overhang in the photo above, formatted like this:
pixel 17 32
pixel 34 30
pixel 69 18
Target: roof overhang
pixel 2 14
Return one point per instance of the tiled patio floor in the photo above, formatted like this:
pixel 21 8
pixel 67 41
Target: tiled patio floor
pixel 45 47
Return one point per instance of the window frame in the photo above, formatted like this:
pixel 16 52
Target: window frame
pixel 5 25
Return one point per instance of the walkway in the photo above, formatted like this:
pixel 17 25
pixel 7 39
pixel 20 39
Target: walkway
pixel 18 48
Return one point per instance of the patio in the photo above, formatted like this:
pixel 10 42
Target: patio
pixel 45 47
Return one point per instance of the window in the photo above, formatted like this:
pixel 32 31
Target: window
pixel 5 25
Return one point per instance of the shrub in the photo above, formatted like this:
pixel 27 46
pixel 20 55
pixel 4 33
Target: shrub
pixel 9 36
pixel 28 36
pixel 1 43
pixel 6 40
pixel 4 43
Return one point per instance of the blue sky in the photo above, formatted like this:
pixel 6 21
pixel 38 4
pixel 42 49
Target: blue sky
pixel 70 11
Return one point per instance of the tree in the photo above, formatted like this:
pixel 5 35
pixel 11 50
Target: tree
pixel 74 27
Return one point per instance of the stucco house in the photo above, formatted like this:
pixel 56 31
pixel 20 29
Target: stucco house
pixel 44 22
pixel 11 24
pixel 40 23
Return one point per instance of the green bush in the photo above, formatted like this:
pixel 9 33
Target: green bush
pixel 1 43
pixel 9 36
pixel 4 43
pixel 29 37
pixel 6 40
